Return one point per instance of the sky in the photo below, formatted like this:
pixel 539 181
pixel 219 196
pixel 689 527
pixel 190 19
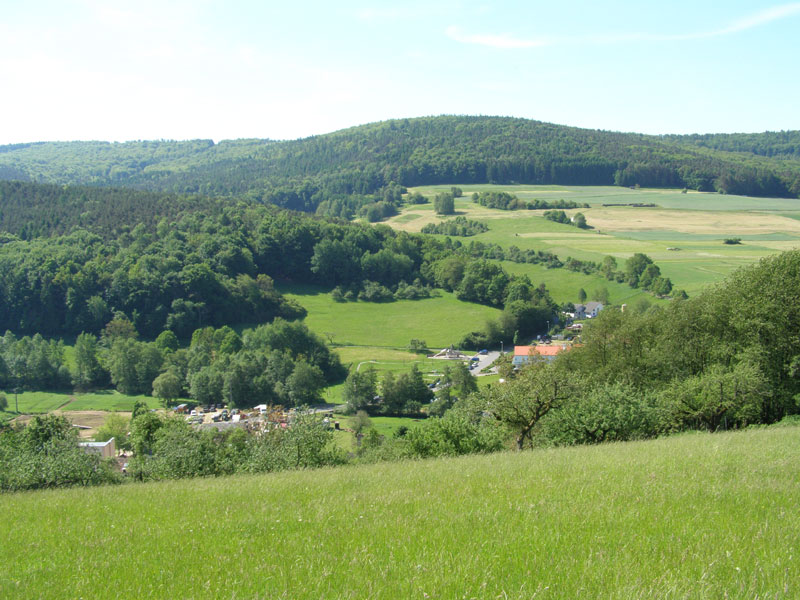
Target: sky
pixel 224 69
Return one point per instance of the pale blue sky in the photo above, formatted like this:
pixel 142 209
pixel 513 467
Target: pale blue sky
pixel 221 69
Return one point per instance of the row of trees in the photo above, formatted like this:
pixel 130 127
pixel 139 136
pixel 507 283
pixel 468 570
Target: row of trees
pixel 459 227
pixel 280 363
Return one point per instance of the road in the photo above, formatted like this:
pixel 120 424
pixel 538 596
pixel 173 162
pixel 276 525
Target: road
pixel 484 360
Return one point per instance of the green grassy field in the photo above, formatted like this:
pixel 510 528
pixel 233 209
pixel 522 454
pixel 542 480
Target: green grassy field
pixel 694 223
pixel 34 402
pixel 599 195
pixel 439 321
pixel 693 516
pixel 42 402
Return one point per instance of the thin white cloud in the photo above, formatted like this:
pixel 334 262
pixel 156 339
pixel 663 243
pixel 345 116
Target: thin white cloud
pixel 503 40
pixel 506 40
pixel 761 18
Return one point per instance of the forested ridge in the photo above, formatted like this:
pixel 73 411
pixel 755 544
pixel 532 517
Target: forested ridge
pixel 302 174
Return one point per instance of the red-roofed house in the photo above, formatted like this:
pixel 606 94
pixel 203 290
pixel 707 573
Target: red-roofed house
pixel 524 354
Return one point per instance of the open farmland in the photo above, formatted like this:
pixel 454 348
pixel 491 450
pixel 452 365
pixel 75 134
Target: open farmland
pixel 699 515
pixel 87 410
pixel 683 235
pixel 440 321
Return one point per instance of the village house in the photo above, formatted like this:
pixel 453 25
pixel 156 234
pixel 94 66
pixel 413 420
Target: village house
pixel 588 310
pixel 525 354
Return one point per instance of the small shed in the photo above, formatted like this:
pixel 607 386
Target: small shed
pixel 104 449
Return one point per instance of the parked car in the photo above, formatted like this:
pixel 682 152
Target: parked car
pixel 484 351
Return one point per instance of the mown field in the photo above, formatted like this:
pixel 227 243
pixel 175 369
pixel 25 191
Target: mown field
pixel 439 321
pixel 683 235
pixel 31 403
pixel 692 516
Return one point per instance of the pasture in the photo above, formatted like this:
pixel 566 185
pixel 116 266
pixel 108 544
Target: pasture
pixel 440 321
pixel 691 516
pixel 683 235
pixel 72 405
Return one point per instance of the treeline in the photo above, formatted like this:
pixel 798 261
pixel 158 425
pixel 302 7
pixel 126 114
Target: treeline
pixel 639 271
pixel 770 143
pixel 506 201
pixel 458 227
pixel 302 174
pixel 279 363
pixel 559 216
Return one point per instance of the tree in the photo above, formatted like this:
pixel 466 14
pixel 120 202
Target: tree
pixel 116 426
pixel 522 402
pixel 601 295
pixel 444 204
pixel 122 361
pixel 635 266
pixel 143 432
pixel 608 267
pixel 167 387
pixel 139 408
pixel 403 389
pixel 648 277
pixel 579 220
pixel 360 422
pixel 3 402
pixel 88 371
pixel 581 295
pixel 167 342
pixel 360 389
pixel 305 383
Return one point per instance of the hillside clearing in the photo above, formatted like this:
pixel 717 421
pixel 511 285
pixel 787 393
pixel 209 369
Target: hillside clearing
pixel 440 321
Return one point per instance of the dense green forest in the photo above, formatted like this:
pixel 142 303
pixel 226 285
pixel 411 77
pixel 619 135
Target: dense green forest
pixel 303 174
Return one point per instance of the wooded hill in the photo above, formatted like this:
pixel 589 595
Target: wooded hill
pixel 301 174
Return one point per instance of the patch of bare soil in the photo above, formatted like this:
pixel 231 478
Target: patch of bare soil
pixel 89 421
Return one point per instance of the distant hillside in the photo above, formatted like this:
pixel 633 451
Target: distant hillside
pixel 361 160
pixel 31 210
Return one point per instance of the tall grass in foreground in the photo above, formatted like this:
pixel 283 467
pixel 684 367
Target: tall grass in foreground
pixel 693 516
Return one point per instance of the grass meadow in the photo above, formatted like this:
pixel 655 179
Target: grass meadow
pixel 31 403
pixel 440 321
pixel 683 235
pixel 691 516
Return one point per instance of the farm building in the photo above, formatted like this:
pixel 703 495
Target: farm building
pixel 104 449
pixel 525 354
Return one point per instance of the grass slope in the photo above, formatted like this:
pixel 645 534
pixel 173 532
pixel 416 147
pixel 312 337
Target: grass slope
pixel 694 516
